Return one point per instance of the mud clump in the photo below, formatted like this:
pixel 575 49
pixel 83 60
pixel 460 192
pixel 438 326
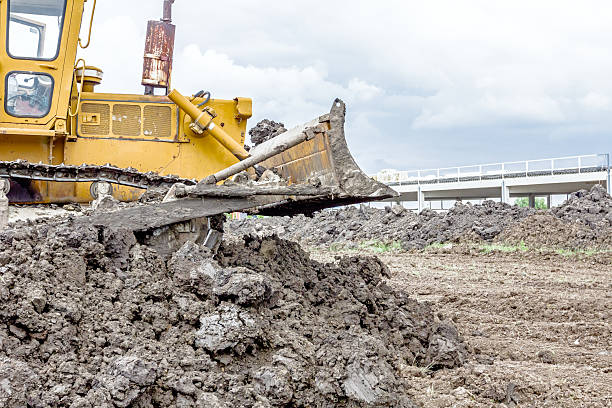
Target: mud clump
pixel 464 222
pixel 591 208
pixel 583 221
pixel 547 231
pixel 265 130
pixel 92 318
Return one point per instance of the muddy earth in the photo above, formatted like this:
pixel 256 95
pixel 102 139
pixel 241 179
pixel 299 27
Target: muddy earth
pixel 539 321
pixel 265 130
pixel 583 221
pixel 92 318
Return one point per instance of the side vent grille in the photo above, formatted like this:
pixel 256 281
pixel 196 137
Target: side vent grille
pixel 157 121
pixel 126 120
pixel 121 120
pixel 97 122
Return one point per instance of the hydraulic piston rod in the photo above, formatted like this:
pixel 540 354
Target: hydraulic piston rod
pixel 270 149
pixel 202 120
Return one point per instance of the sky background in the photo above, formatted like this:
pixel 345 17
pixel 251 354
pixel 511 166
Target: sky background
pixel 427 83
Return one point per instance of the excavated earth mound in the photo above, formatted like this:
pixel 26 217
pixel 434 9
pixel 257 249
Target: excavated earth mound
pixel 464 222
pixel 547 231
pixel 583 221
pixel 91 318
pixel 591 208
pixel 265 130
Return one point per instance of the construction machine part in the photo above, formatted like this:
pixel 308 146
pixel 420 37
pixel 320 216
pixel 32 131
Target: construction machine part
pixel 147 218
pixel 159 52
pixel 323 160
pixel 313 161
pixel 166 240
pixel 24 170
pixel 315 153
pixel 103 193
pixel 89 77
pixel 315 167
pixel 202 120
pixel 288 140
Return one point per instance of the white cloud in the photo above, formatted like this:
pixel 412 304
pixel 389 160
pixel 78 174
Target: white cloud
pixel 292 94
pixel 416 75
pixel 596 101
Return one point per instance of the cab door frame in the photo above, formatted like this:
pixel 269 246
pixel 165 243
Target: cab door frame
pixel 61 69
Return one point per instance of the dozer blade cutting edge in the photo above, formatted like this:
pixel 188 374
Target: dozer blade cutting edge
pixel 323 160
pixel 313 159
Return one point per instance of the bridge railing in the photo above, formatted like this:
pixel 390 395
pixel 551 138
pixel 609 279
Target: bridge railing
pixel 528 168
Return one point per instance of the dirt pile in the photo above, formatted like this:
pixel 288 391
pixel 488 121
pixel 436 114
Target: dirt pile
pixel 91 318
pixel 265 130
pixel 464 222
pixel 591 208
pixel 583 221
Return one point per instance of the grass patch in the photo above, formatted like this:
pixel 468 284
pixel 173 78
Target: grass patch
pixel 485 248
pixel 488 248
pixel 395 246
pixel 372 246
pixel 379 246
pixel 335 247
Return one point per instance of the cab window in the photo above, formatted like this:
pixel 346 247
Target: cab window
pixel 28 95
pixel 35 28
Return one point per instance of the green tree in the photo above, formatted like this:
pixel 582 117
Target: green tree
pixel 540 203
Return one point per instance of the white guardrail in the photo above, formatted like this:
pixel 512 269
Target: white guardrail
pixel 529 168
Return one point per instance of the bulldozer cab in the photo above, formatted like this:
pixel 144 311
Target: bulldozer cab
pixel 37 60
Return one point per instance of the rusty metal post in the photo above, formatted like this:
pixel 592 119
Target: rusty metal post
pixel 167 11
pixel 159 52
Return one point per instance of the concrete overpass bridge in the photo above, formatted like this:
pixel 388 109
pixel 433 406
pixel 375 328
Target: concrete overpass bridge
pixel 530 178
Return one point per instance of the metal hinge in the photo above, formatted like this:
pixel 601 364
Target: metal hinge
pixel 90 118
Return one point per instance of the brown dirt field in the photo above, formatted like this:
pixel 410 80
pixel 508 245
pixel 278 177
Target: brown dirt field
pixel 539 326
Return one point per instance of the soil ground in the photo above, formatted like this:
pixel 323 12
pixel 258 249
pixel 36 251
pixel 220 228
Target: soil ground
pixel 543 319
pixel 478 318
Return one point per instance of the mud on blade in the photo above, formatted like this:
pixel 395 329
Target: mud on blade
pixel 313 160
pixel 323 160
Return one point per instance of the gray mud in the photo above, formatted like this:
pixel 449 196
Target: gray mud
pixel 583 221
pixel 265 130
pixel 464 222
pixel 92 318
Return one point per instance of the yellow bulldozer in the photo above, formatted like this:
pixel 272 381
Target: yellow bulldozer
pixel 59 139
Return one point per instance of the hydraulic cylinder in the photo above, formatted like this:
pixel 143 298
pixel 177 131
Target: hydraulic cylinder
pixel 202 120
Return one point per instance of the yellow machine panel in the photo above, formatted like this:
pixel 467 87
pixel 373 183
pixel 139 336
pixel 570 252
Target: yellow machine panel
pixel 51 113
pixel 149 133
pixel 57 134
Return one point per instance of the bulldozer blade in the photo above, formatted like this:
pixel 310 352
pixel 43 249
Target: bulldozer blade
pixel 151 216
pixel 319 170
pixel 322 160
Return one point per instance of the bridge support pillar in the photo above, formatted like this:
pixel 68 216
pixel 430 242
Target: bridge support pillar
pixel 608 178
pixel 532 201
pixel 548 201
pixel 420 199
pixel 505 193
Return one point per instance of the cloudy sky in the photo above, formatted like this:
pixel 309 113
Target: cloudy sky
pixel 427 83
